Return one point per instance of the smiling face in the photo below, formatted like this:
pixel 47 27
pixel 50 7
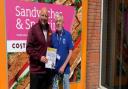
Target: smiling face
pixel 59 22
pixel 44 16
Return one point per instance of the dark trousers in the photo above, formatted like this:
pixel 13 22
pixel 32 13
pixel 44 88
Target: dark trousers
pixel 41 81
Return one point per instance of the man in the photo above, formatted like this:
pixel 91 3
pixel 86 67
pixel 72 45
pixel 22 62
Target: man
pixel 39 38
pixel 62 41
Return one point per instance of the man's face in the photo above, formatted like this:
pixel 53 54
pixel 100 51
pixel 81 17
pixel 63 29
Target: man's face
pixel 44 16
pixel 59 23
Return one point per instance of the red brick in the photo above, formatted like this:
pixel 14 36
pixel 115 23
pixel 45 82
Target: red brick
pixel 93 44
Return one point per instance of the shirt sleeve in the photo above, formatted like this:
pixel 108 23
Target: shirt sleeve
pixel 70 42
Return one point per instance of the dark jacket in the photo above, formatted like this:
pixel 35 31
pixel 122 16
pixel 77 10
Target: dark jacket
pixel 37 47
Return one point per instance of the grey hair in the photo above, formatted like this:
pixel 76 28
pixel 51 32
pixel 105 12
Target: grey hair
pixel 59 15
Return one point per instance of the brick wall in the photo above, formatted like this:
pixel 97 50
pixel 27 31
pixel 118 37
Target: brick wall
pixel 93 44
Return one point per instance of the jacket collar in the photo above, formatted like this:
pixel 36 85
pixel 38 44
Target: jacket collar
pixel 40 24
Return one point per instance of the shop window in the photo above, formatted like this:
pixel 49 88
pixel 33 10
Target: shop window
pixel 114 66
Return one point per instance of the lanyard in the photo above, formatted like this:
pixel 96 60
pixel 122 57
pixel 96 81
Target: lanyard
pixel 59 38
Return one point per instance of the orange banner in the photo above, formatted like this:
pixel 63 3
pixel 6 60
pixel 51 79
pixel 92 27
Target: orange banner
pixel 3 58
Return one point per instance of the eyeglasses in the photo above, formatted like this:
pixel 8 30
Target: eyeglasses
pixel 58 21
pixel 44 15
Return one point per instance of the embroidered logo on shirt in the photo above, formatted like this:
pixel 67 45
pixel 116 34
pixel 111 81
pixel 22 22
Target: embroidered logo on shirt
pixel 64 41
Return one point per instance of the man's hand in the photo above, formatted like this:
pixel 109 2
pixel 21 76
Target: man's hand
pixel 44 59
pixel 61 70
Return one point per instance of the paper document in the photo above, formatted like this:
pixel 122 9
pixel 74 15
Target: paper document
pixel 51 56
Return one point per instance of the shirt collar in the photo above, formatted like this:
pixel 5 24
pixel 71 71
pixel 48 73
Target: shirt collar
pixel 62 31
